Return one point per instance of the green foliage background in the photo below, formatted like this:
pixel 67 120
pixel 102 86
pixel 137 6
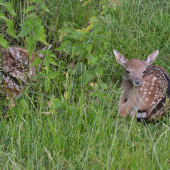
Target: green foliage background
pixel 68 119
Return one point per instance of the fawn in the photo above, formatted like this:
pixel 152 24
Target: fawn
pixel 146 88
pixel 14 70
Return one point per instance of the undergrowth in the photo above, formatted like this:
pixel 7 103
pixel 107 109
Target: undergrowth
pixel 68 119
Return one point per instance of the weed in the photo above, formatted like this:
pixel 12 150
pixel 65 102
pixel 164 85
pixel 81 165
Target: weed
pixel 68 119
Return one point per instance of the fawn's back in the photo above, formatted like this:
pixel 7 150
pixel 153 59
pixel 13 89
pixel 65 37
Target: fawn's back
pixel 14 72
pixel 152 94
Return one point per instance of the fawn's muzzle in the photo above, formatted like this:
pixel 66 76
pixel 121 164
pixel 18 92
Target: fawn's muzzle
pixel 136 82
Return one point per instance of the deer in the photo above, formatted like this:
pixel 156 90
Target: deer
pixel 146 88
pixel 14 72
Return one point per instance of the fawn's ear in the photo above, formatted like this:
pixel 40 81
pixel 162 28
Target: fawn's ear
pixel 151 58
pixel 15 53
pixel 120 58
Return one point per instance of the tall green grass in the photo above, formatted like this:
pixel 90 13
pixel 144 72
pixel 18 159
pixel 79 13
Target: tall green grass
pixel 85 131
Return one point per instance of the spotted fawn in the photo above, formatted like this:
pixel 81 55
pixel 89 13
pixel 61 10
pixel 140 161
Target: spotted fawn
pixel 146 88
pixel 14 71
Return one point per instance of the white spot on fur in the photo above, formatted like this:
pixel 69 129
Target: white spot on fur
pixel 153 103
pixel 154 79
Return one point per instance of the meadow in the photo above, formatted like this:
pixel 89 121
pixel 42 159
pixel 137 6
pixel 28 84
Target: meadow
pixel 68 119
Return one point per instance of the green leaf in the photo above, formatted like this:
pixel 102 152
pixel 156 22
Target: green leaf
pixel 93 60
pixel 76 35
pixel 53 55
pixel 30 39
pixel 30 8
pixel 40 75
pixel 52 61
pixel 2 16
pixel 86 2
pixel 104 86
pixel 42 38
pixel 3 42
pixel 47 84
pixel 80 67
pixel 39 1
pixel 104 9
pixel 87 76
pixel 8 6
pixel 11 32
pixel 89 47
pixel 99 71
pixel 42 6
pixel 30 44
pixel 23 103
pixel 32 15
pixel 48 53
pixel 57 104
pixel 105 44
pixel 44 52
pixel 65 30
pixel 29 22
pixel 52 74
pixel 36 62
pixel 113 6
pixel 65 47
pixel 76 49
pixel 38 22
pixel 25 30
pixel 10 24
pixel 46 62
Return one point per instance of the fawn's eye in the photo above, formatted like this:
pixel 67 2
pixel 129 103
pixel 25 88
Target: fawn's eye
pixel 127 72
pixel 144 72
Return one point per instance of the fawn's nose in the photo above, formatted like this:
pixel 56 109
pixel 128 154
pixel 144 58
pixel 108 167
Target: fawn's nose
pixel 136 82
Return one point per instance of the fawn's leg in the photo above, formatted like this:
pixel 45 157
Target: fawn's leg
pixel 133 112
pixel 123 99
pixel 126 107
pixel 126 88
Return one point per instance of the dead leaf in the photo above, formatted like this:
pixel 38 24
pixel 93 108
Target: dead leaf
pixel 66 95
pixel 49 103
pixel 116 2
pixel 45 113
pixel 11 103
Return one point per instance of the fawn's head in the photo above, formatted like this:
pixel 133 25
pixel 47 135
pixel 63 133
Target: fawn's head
pixel 135 68
pixel 23 57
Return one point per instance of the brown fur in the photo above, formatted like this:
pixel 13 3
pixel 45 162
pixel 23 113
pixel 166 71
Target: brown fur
pixel 147 99
pixel 15 74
